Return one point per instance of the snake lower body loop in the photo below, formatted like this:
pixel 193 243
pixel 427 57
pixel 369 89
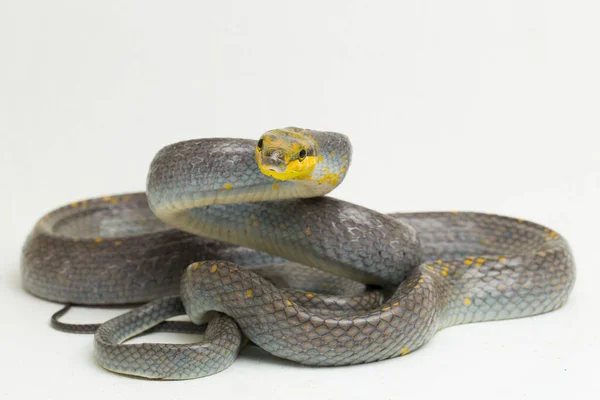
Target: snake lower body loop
pixel 237 234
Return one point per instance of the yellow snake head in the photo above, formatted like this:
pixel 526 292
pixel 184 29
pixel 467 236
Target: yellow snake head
pixel 288 153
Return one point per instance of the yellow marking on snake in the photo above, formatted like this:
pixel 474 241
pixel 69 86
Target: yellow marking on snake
pixel 310 295
pixel 404 351
pixel 330 178
pixel 98 240
pixel 386 309
pixel 307 231
pixel 75 204
pixel 468 261
pixel 227 186
pixel 214 268
pixel 467 302
pixel 249 293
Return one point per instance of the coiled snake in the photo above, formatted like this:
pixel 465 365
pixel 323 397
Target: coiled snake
pixel 225 233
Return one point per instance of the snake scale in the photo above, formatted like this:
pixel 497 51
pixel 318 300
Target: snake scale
pixel 238 235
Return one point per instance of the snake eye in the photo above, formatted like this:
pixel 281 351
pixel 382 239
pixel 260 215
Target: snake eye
pixel 259 145
pixel 302 155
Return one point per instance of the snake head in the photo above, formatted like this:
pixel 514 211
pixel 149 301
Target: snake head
pixel 285 154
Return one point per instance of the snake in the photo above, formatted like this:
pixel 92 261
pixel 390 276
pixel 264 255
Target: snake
pixel 240 236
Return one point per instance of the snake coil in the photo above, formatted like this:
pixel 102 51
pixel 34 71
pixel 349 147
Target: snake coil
pixel 230 232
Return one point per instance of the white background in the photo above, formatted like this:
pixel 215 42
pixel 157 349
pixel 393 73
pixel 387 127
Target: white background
pixel 469 105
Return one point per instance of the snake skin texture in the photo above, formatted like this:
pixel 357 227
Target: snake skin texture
pixel 308 278
pixel 217 351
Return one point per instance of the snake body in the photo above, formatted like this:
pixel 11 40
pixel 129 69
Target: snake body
pixel 225 233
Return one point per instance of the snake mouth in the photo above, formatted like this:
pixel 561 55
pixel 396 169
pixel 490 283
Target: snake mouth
pixel 274 161
pixel 279 167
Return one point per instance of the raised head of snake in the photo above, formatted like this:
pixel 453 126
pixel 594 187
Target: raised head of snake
pixel 319 160
pixel 287 154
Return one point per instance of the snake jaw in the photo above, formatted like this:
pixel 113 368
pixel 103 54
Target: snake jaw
pixel 273 160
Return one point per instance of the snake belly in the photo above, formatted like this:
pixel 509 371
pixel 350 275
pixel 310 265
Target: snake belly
pixel 209 213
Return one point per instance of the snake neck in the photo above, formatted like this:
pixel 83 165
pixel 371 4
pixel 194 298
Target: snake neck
pixel 199 173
